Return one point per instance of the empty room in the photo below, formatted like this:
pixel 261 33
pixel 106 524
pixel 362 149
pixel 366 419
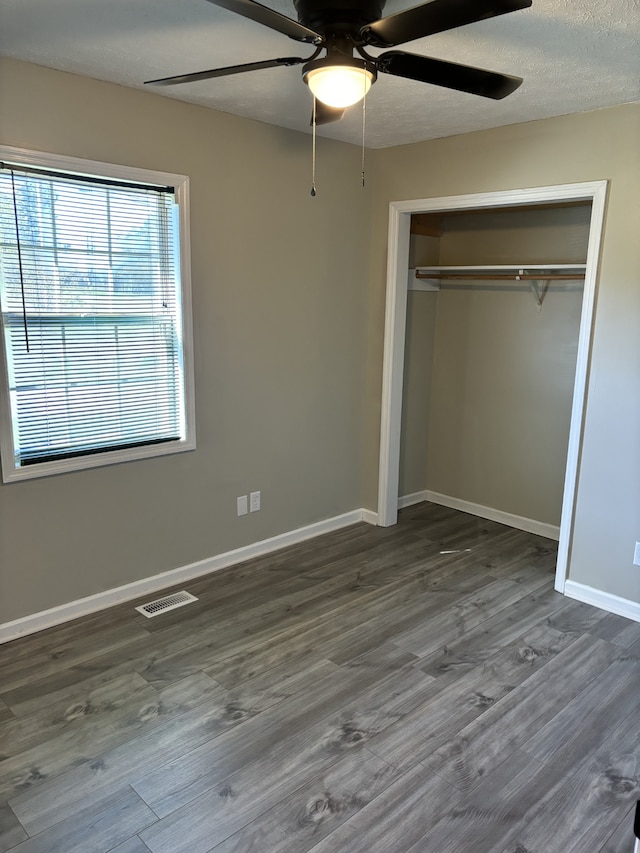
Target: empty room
pixel 319 426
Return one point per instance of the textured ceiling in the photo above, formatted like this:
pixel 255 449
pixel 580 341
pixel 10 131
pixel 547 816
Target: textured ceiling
pixel 573 56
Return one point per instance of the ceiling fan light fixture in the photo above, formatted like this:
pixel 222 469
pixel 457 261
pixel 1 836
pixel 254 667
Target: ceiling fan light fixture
pixel 339 84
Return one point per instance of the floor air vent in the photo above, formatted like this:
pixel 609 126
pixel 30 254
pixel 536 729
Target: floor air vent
pixel 169 602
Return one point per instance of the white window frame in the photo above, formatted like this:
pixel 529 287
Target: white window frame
pixel 94 168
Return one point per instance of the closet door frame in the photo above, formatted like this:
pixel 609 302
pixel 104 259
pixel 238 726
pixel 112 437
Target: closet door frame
pixel 400 213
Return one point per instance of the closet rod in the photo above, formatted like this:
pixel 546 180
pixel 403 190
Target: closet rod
pixel 502 277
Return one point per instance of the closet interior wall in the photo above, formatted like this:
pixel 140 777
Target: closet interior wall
pixel 489 373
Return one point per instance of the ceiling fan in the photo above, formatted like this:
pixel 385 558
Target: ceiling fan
pixel 343 28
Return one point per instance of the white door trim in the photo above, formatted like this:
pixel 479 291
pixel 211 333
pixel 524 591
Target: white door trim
pixel 395 319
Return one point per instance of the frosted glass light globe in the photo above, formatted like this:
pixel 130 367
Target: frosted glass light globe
pixel 339 85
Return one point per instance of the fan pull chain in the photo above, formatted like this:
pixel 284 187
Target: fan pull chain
pixel 364 124
pixel 313 153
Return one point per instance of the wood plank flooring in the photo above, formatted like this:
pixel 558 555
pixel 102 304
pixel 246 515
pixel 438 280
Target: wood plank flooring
pixel 419 688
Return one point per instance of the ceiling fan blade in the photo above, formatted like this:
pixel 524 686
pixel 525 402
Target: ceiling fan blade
pixel 464 78
pixel 435 17
pixel 224 72
pixel 270 18
pixel 326 114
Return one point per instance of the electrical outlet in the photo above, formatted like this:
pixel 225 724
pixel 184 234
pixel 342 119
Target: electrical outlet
pixel 242 505
pixel 636 555
pixel 254 501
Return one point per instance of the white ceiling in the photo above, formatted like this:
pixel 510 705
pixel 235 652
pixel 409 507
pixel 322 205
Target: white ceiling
pixel 574 55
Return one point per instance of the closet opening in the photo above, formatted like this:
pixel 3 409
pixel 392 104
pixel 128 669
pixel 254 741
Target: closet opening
pixel 490 302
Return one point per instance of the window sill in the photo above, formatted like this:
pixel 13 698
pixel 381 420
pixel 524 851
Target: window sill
pixel 94 460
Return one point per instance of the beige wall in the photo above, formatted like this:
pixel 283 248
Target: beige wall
pixel 419 339
pixel 584 147
pixel 501 397
pixel 556 234
pixel 416 392
pixel 279 300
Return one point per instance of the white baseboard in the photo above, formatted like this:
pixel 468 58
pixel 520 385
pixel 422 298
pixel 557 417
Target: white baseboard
pixel 369 516
pixel 410 500
pixel 604 600
pixel 174 577
pixel 541 528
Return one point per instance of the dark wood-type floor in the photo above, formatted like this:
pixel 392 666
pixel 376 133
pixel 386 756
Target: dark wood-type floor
pixel 419 688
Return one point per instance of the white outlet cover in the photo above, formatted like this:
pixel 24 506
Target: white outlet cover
pixel 242 505
pixel 636 555
pixel 254 502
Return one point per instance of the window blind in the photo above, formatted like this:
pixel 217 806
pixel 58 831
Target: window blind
pixel 90 298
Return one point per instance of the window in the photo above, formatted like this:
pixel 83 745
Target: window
pixel 95 301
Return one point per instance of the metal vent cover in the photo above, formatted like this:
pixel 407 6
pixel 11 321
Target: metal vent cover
pixel 169 602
